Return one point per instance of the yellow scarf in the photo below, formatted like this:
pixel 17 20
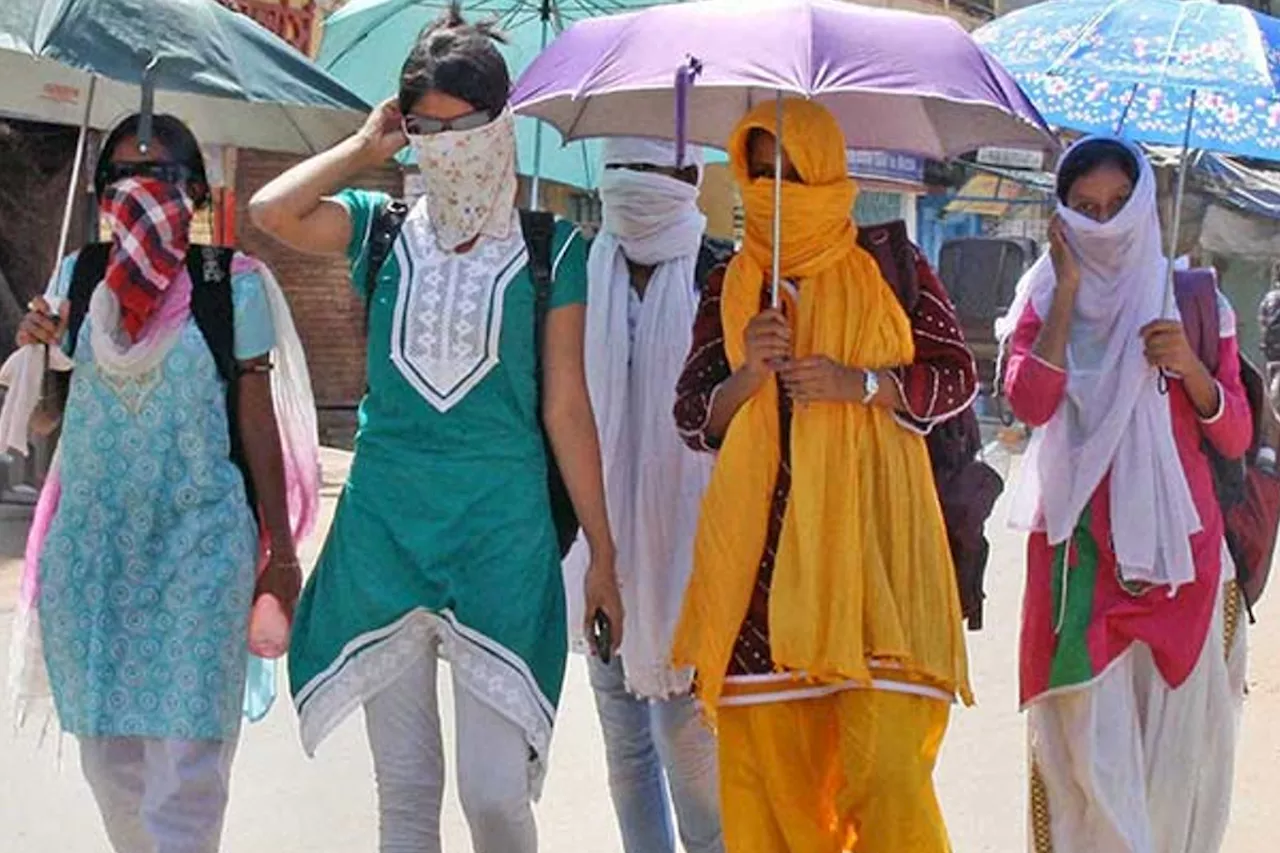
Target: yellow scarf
pixel 864 576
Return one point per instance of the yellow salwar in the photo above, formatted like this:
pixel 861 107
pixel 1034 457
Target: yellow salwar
pixel 850 771
pixel 863 581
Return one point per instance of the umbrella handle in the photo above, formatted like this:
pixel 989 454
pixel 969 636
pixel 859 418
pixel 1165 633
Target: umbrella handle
pixel 146 112
pixel 685 76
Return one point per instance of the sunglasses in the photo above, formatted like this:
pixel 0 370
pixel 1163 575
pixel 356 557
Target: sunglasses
pixel 415 125
pixel 169 173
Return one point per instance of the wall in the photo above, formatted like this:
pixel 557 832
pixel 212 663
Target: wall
pixel 326 308
pixel 719 201
pixel 1244 282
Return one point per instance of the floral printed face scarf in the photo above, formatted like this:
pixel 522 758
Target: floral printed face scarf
pixel 470 177
pixel 150 223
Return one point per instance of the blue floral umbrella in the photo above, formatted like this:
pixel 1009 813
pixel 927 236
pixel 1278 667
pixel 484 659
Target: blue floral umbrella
pixel 1193 73
pixel 1163 72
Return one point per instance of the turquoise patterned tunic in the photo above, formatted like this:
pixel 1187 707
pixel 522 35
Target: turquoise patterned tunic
pixel 443 535
pixel 147 573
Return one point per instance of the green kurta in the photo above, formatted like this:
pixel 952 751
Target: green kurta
pixel 443 533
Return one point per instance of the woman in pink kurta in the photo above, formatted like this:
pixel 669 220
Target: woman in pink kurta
pixel 1130 679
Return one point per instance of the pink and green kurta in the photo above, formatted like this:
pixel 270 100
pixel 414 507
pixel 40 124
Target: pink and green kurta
pixel 1078 619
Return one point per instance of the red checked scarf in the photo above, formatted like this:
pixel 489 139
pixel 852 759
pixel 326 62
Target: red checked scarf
pixel 150 223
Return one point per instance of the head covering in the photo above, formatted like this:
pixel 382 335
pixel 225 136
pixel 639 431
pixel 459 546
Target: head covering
pixel 632 150
pixel 863 569
pixel 654 483
pixel 1114 417
pixel 150 222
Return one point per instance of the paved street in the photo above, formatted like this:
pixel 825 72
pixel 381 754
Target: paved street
pixel 283 802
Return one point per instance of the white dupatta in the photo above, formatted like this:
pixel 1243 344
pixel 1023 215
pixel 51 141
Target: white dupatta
pixel 654 484
pixel 1114 417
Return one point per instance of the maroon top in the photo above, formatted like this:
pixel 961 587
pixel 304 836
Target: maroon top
pixel 940 384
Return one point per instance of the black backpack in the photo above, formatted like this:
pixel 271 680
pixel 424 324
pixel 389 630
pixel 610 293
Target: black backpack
pixel 212 309
pixel 539 236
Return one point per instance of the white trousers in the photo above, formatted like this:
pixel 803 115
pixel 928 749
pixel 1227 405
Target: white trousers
pixel 1132 766
pixel 403 723
pixel 160 796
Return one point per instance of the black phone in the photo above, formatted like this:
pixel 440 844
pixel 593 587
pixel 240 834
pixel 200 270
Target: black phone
pixel 602 636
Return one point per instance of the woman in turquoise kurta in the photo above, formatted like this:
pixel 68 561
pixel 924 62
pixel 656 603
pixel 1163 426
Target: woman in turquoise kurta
pixel 144 551
pixel 443 544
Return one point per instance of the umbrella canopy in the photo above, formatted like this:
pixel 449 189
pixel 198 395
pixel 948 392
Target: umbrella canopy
pixel 895 80
pixel 366 42
pixel 1163 72
pixel 231 80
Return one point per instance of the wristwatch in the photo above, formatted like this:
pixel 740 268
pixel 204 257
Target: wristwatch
pixel 870 386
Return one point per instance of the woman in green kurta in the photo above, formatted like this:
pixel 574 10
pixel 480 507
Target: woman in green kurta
pixel 443 543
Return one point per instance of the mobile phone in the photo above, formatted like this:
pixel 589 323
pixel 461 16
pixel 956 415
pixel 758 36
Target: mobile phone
pixel 602 636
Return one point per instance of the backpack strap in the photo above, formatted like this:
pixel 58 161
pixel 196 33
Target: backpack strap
pixel 213 309
pixel 891 247
pixel 539 229
pixel 388 220
pixel 1196 292
pixel 212 305
pixel 89 270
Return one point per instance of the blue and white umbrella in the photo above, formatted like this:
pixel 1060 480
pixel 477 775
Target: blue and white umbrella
pixel 1194 73
pixel 1162 72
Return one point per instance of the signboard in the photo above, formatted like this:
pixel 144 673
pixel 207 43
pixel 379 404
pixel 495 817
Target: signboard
pixel 887 166
pixel 1011 158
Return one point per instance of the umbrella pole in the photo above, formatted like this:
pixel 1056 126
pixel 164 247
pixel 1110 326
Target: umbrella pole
pixel 777 204
pixel 73 188
pixel 1177 207
pixel 535 190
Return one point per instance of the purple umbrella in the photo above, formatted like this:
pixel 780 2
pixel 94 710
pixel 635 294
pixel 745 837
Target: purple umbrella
pixel 690 72
pixel 895 80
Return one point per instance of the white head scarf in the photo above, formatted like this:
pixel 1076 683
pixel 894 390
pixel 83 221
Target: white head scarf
pixel 1114 417
pixel 653 482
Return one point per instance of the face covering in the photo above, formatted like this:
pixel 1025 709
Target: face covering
pixel 655 218
pixel 150 222
pixel 470 178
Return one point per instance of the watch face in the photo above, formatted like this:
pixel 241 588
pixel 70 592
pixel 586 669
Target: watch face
pixel 871 385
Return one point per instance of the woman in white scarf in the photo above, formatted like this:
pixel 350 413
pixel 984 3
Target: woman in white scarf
pixel 1131 665
pixel 641 303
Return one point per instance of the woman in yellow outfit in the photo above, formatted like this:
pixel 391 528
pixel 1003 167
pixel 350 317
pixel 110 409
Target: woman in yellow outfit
pixel 822 617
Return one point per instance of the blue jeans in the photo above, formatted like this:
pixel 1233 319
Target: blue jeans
pixel 660 756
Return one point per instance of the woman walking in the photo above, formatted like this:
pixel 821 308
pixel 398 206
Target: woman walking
pixel 443 545
pixel 1132 662
pixel 822 616
pixel 168 484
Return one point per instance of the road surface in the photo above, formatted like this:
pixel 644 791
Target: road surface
pixel 284 802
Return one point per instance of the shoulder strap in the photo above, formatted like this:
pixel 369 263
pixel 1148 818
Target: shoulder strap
pixel 891 247
pixel 90 267
pixel 212 305
pixel 385 229
pixel 213 309
pixel 539 229
pixel 1197 295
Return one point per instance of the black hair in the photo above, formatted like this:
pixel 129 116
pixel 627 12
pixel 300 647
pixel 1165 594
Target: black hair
pixel 1090 156
pixel 460 59
pixel 178 141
